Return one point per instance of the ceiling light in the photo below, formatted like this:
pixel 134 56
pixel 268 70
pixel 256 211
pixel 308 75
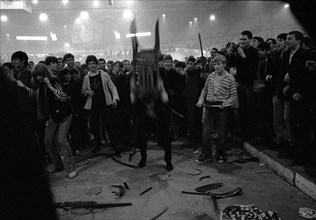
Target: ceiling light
pixel 43 17
pixel 4 18
pixel 35 38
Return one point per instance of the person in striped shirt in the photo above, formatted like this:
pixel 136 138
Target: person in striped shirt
pixel 218 95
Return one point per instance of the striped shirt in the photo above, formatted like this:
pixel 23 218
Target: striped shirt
pixel 226 91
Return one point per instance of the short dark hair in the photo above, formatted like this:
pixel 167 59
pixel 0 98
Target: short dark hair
pixel 91 58
pixel 180 64
pixel 298 36
pixel 259 39
pixel 167 57
pixel 110 62
pixel 101 59
pixel 282 36
pixel 247 33
pixel 8 64
pixel 68 55
pixel 272 39
pixel 120 64
pixel 125 61
pixel 191 59
pixel 21 56
pixel 50 59
pixel 263 46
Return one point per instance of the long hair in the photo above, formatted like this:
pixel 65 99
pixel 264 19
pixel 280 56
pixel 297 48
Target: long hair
pixel 41 70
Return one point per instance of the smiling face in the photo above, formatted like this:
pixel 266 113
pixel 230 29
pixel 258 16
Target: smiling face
pixel 244 41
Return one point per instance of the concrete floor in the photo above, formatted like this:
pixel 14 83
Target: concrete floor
pixel 260 187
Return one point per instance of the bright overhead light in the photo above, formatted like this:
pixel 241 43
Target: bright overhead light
pixel 53 36
pixel 190 23
pixel 127 14
pixel 4 18
pixel 129 2
pixel 212 17
pixel 66 44
pixel 43 17
pixel 35 2
pixel 35 38
pixel 117 35
pixel 163 15
pixel 195 19
pixel 96 3
pixel 65 26
pixel 65 2
pixel 286 5
pixel 140 34
pixel 84 15
pixel 78 21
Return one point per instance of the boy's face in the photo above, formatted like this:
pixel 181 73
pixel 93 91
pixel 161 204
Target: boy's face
pixel 109 66
pixel 116 68
pixel 191 63
pixel 60 64
pixel 92 66
pixel 67 77
pixel 167 64
pixel 219 67
pixel 280 44
pixel 17 63
pixel 40 78
pixel 101 63
pixel 127 66
pixel 262 53
pixel 53 67
pixel 244 41
pixel 254 43
pixel 70 62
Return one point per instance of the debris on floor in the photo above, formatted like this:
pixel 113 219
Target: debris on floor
pixel 307 213
pixel 159 214
pixel 119 192
pixel 248 212
pixel 203 216
pixel 204 177
pixel 142 193
pixel 94 191
pixel 208 187
pixel 195 174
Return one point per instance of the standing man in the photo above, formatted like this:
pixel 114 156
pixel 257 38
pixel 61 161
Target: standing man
pixel 246 72
pixel 296 92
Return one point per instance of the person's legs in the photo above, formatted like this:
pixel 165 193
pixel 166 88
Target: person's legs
pixel 110 119
pixel 95 129
pixel 163 133
pixel 51 148
pixel 62 141
pixel 208 124
pixel 278 119
pixel 222 130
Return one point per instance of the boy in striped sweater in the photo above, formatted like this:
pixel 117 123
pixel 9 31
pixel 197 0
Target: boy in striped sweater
pixel 218 96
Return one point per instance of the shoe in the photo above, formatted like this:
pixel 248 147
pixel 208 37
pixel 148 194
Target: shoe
pixel 204 158
pixel 142 163
pixel 169 166
pixel 72 174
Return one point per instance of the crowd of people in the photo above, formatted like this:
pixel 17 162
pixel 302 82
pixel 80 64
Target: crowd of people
pixel 260 90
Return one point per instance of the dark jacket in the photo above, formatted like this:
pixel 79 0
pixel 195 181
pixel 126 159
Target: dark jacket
pixel 247 67
pixel 57 109
pixel 26 97
pixel 297 72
